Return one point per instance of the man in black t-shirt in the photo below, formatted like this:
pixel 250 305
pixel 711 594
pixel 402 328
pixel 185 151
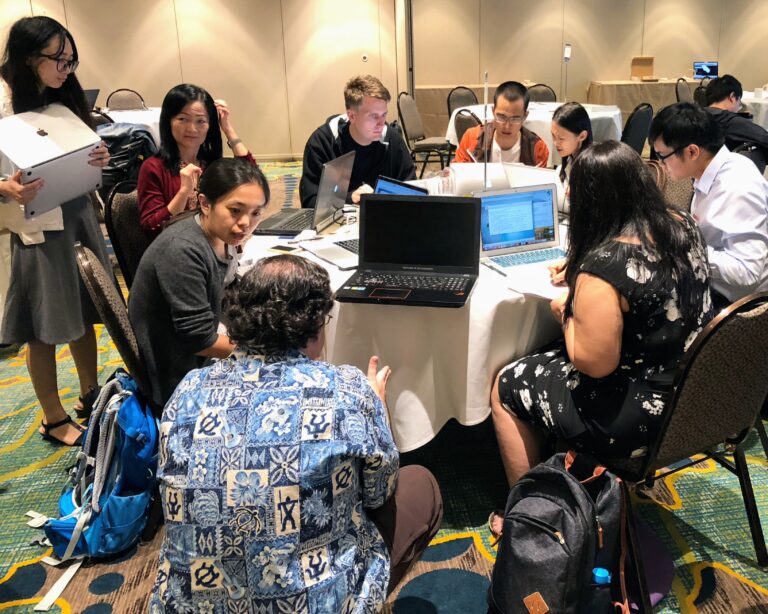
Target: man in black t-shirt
pixel 379 147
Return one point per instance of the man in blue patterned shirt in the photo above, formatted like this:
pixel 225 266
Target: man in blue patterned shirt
pixel 280 479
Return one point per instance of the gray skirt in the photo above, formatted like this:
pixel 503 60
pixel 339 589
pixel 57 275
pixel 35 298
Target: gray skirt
pixel 46 299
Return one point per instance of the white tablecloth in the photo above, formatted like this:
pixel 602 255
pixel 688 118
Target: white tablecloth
pixel 606 123
pixel 443 360
pixel 147 118
pixel 758 107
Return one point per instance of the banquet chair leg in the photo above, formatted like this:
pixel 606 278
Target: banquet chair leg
pixel 637 560
pixel 761 433
pixel 753 517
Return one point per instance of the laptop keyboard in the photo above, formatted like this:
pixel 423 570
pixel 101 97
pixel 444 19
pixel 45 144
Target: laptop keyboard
pixel 539 255
pixel 300 222
pixel 352 245
pixel 414 282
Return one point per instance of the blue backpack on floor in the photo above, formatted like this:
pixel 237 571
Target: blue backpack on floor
pixel 104 508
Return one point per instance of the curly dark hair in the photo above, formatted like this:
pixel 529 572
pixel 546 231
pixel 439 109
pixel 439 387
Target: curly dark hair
pixel 278 305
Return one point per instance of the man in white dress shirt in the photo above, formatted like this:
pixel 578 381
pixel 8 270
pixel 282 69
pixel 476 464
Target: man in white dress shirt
pixel 730 199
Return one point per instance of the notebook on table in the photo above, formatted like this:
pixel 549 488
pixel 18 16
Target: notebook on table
pixel 52 144
pixel 416 250
pixel 331 193
pixel 518 226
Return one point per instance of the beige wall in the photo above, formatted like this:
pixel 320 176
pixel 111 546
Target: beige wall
pixel 280 65
pixel 517 39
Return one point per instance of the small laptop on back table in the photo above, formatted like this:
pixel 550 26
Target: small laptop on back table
pixel 416 250
pixel 331 193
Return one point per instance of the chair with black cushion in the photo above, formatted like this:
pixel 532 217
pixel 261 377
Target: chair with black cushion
pixel 541 93
pixel 636 129
pixel 125 99
pixel 121 218
pixel 460 96
pixel 754 153
pixel 700 96
pixel 418 143
pixel 110 305
pixel 717 394
pixel 683 91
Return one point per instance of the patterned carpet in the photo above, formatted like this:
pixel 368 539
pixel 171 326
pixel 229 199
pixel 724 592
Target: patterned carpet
pixel 697 513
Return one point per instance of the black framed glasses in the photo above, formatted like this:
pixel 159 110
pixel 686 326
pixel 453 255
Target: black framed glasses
pixel 663 157
pixel 62 65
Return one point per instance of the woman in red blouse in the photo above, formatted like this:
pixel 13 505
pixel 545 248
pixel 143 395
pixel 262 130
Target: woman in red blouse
pixel 191 123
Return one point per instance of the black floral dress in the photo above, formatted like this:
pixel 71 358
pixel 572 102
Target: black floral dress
pixel 617 415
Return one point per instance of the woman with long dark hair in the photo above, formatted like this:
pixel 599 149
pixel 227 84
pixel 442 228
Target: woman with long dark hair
pixel 638 294
pixel 46 302
pixel 176 297
pixel 191 123
pixel 571 134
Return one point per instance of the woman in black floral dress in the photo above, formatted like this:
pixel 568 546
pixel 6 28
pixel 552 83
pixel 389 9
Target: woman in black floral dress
pixel 638 294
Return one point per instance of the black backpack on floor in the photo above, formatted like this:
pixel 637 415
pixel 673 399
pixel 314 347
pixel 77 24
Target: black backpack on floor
pixel 563 519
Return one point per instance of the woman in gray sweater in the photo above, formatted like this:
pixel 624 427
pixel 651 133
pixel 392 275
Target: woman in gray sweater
pixel 175 301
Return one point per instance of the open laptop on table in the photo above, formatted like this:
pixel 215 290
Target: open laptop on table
pixel 387 185
pixel 521 175
pixel 518 226
pixel 331 193
pixel 416 250
pixel 52 144
pixel 90 98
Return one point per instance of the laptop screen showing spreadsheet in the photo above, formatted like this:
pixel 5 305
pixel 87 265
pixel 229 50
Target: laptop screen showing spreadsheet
pixel 518 220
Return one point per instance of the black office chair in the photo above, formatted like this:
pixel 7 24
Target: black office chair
pixel 717 394
pixel 460 96
pixel 541 93
pixel 418 142
pixel 636 129
pixel 683 91
pixel 463 121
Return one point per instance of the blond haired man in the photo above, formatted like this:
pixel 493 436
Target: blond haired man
pixel 380 150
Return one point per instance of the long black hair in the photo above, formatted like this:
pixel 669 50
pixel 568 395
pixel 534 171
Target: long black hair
pixel 175 100
pixel 226 174
pixel 574 118
pixel 613 193
pixel 26 40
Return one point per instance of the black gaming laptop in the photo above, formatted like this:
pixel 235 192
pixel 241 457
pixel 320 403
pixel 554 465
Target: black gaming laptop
pixel 416 250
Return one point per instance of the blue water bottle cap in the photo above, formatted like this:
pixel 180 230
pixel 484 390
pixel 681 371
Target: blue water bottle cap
pixel 600 575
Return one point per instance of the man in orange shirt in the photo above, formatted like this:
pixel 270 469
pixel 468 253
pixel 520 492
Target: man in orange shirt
pixel 504 138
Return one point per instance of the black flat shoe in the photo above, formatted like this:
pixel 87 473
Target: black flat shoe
pixel 87 400
pixel 47 428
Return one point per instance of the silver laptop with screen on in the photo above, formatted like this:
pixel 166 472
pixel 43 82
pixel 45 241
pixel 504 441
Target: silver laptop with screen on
pixel 52 144
pixel 519 226
pixel 331 194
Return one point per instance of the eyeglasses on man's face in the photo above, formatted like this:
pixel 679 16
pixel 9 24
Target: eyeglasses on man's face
pixel 62 64
pixel 508 119
pixel 663 157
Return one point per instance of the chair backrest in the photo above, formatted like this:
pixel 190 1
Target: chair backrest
pixel 410 119
pixel 460 96
pixel 721 384
pixel 679 192
pixel 124 99
pixel 128 240
pixel 700 96
pixel 463 121
pixel 541 93
pixel 110 306
pixel 705 82
pixel 636 129
pixel 683 91
pixel 754 153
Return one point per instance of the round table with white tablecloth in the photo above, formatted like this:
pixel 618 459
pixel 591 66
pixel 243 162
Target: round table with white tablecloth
pixel 443 360
pixel 758 107
pixel 606 122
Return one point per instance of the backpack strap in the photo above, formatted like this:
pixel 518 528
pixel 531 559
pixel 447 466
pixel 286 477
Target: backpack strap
pixel 578 465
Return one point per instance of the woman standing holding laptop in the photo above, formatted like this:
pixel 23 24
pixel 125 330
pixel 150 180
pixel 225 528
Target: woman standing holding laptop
pixel 46 303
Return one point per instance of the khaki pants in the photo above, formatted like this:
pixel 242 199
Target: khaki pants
pixel 409 519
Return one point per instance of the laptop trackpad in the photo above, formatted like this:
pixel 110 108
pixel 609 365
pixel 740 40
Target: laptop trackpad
pixel 390 293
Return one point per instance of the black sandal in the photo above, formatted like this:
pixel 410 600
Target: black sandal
pixel 88 400
pixel 47 428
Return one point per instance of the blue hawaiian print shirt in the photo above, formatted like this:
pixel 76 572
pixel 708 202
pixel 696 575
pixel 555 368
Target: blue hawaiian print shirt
pixel 265 468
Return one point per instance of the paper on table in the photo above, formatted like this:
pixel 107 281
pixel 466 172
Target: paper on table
pixel 533 279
